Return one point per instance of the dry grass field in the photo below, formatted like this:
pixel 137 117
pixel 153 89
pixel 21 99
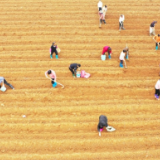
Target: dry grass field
pixel 61 124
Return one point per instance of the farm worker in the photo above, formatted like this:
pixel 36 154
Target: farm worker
pixel 52 76
pixel 107 49
pixel 101 17
pixel 73 68
pixel 127 52
pixel 100 4
pixel 122 55
pixel 157 90
pixel 157 40
pixel 53 49
pixel 3 81
pixel 152 28
pixel 104 9
pixel 121 21
pixel 103 122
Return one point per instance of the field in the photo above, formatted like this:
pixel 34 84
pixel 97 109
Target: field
pixel 61 124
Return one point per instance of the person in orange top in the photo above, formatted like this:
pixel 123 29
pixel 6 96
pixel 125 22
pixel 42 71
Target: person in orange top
pixel 157 40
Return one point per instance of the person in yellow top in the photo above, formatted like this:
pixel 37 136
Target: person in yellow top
pixel 157 40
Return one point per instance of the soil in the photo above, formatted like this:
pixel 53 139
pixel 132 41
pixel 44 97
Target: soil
pixel 61 124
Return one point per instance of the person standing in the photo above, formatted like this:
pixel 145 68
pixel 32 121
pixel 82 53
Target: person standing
pixel 107 49
pixel 121 21
pixel 157 40
pixel 157 90
pixel 53 49
pixel 100 4
pixel 104 9
pixel 50 74
pixel 3 81
pixel 73 68
pixel 122 59
pixel 101 17
pixel 152 28
pixel 103 122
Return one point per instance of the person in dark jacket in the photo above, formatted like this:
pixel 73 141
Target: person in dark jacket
pixel 73 68
pixel 152 28
pixel 53 50
pixel 103 122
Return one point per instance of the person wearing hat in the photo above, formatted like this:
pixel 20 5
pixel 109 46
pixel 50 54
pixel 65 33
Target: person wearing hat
pixel 3 81
pixel 104 9
pixel 101 17
pixel 103 122
pixel 152 28
pixel 121 21
pixel 107 49
pixel 157 40
pixel 100 4
pixel 122 58
pixel 53 49
pixel 73 68
pixel 50 74
pixel 157 90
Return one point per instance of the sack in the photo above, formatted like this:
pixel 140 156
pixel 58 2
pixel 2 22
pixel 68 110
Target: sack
pixel 103 57
pixel 82 74
pixel 3 88
pixel 58 50
pixel 87 75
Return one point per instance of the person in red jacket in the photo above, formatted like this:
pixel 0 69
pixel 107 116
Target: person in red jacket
pixel 107 49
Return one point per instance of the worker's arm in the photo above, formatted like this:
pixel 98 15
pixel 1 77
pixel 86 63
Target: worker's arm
pixel 154 38
pixel 46 74
pixel 75 71
pixel 55 77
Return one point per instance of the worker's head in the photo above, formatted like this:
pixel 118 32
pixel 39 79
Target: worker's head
pixel 53 43
pixel 105 6
pixel 109 49
pixel 78 65
pixel 100 125
pixel 158 35
pixel 49 72
pixel 124 51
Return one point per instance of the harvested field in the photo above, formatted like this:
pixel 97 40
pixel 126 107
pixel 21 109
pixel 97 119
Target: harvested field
pixel 61 124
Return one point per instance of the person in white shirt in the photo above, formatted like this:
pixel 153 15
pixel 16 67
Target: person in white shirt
pixel 122 58
pixel 121 21
pixel 157 90
pixel 104 9
pixel 100 4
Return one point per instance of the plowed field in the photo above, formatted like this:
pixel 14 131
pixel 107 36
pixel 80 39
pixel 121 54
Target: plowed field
pixel 61 124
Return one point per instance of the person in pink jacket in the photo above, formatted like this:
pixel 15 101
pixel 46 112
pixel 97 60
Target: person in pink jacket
pixel 107 49
pixel 50 74
pixel 157 90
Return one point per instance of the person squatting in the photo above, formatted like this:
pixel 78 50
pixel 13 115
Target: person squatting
pixel 103 122
pixel 107 49
pixel 73 68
